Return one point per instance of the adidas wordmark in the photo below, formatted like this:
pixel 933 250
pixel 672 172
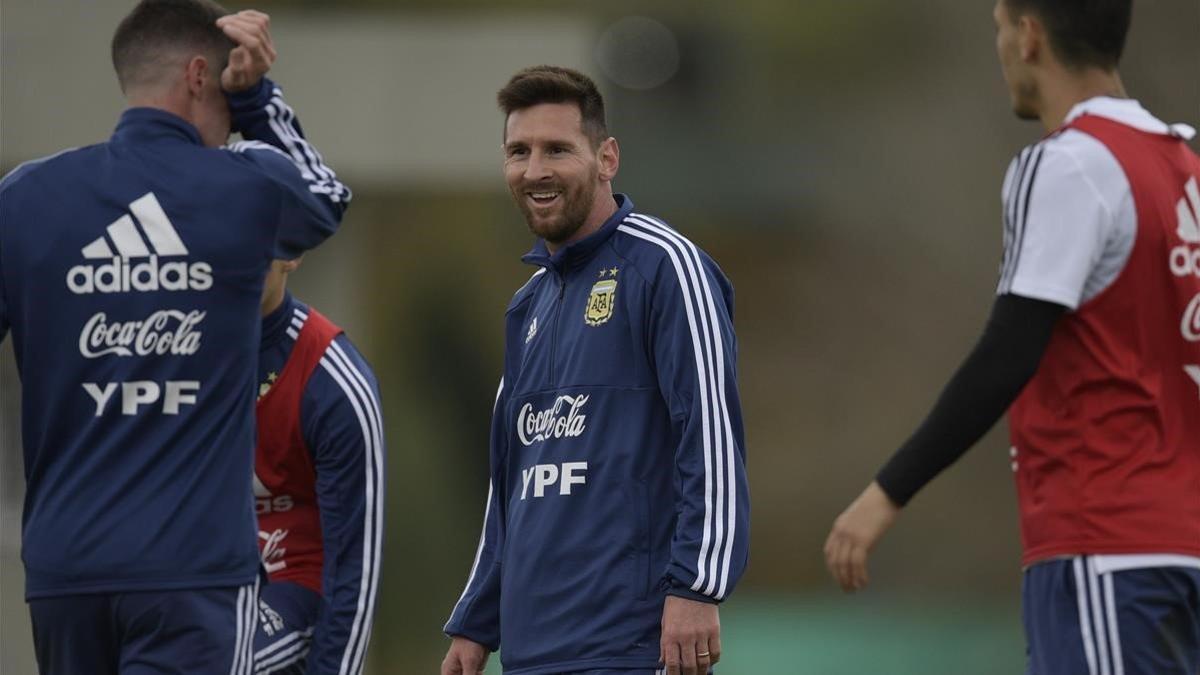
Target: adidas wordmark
pixel 122 272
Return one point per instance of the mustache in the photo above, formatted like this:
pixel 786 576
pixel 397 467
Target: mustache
pixel 541 187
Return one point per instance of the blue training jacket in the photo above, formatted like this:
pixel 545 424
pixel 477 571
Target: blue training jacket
pixel 342 427
pixel 617 454
pixel 131 275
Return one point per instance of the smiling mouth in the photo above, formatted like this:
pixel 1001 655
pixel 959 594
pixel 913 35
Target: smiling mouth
pixel 543 198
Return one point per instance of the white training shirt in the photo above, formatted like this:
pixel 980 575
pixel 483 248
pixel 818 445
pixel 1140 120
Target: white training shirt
pixel 1069 217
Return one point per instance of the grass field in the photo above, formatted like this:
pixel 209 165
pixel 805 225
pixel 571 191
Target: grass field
pixel 866 635
pixel 804 635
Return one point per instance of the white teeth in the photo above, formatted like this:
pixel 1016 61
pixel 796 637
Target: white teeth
pixel 543 195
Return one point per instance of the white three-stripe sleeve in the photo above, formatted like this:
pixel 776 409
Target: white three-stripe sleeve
pixel 1069 222
pixel 263 115
pixel 476 613
pixel 342 424
pixel 313 199
pixel 285 651
pixel 281 119
pixel 721 323
pixel 693 349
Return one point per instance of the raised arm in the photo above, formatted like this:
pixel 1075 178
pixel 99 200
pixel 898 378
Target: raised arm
pixel 313 199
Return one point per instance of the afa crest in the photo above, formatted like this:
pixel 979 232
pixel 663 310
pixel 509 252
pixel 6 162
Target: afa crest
pixel 601 302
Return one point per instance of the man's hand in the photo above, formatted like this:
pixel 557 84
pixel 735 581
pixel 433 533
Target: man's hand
pixel 254 53
pixel 464 658
pixel 855 533
pixel 691 636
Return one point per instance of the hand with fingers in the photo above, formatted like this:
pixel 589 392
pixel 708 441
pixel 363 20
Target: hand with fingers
pixel 855 533
pixel 691 636
pixel 254 54
pixel 465 657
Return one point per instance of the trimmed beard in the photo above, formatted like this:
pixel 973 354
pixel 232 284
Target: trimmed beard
pixel 577 205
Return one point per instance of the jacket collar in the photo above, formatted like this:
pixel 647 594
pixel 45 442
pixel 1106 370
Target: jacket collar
pixel 143 124
pixel 275 324
pixel 576 254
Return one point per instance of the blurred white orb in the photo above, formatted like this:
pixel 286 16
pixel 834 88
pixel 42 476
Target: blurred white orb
pixel 637 52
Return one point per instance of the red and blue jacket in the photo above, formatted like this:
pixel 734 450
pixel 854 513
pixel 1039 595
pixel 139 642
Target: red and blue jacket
pixel 319 478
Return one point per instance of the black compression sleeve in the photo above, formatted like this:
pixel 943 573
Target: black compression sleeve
pixel 988 381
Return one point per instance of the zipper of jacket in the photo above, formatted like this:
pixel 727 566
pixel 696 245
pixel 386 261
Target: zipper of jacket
pixel 562 291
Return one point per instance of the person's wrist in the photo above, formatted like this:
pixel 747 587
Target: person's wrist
pixel 251 97
pixel 880 498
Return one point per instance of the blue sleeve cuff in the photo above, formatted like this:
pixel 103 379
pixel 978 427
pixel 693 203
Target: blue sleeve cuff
pixel 490 645
pixel 674 587
pixel 251 100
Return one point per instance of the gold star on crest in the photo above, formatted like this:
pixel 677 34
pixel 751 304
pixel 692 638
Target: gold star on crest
pixel 266 386
pixel 613 272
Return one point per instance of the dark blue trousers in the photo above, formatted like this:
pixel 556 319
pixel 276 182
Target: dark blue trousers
pixel 187 632
pixel 1083 620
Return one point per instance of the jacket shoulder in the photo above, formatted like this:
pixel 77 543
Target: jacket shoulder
pixel 650 244
pixel 58 159
pixel 261 160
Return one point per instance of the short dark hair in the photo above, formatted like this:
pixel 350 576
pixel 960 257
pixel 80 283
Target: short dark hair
pixel 1083 33
pixel 156 27
pixel 553 84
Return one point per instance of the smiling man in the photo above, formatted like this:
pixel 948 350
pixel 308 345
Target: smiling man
pixel 617 516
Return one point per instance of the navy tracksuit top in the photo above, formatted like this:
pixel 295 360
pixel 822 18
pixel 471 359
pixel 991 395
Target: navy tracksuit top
pixel 131 273
pixel 617 454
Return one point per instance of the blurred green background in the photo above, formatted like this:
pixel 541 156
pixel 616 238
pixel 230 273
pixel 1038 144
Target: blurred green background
pixel 841 159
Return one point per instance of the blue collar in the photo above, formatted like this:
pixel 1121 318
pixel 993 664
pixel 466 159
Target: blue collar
pixel 143 124
pixel 577 253
pixel 274 325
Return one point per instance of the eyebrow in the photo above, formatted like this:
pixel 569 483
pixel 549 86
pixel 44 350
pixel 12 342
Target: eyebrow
pixel 567 143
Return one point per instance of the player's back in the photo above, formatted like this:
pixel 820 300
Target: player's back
pixel 131 275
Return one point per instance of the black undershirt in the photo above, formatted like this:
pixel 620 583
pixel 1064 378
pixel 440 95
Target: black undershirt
pixel 988 381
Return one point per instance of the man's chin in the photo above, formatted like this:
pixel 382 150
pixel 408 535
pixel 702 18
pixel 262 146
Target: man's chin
pixel 1025 113
pixel 1024 99
pixel 553 230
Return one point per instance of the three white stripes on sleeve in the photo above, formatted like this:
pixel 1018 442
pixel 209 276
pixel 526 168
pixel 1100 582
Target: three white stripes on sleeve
pixel 720 452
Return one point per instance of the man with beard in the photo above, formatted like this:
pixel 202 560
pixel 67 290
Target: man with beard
pixel 1093 346
pixel 617 514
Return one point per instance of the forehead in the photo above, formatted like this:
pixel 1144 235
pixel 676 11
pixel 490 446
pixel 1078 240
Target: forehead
pixel 544 121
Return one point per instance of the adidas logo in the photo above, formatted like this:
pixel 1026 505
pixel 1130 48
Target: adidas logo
pixel 265 502
pixel 1185 258
pixel 122 273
